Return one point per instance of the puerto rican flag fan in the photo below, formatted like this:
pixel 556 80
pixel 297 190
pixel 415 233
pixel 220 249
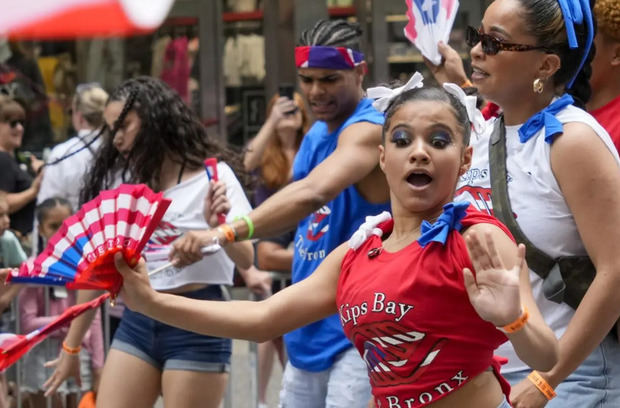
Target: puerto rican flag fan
pixel 13 346
pixel 81 254
pixel 46 19
pixel 430 21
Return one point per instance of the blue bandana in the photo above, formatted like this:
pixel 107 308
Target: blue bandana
pixel 450 219
pixel 575 12
pixel 546 118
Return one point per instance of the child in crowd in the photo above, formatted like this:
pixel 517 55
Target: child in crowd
pixel 32 306
pixel 11 255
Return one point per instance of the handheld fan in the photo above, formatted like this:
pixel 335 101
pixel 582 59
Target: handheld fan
pixel 13 346
pixel 81 254
pixel 430 21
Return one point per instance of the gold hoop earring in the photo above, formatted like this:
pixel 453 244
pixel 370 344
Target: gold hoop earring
pixel 538 85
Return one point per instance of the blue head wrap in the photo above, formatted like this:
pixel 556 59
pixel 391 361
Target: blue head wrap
pixel 577 12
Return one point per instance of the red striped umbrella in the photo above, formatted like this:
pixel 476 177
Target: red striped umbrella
pixel 46 19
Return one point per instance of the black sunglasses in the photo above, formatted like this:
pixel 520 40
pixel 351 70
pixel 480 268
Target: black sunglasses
pixel 491 45
pixel 13 123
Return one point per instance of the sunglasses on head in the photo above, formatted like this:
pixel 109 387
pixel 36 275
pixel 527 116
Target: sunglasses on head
pixel 14 122
pixel 491 45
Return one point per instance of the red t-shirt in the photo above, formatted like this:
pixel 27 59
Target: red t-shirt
pixel 609 117
pixel 409 316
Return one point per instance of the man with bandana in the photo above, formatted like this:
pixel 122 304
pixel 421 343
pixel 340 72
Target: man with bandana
pixel 337 182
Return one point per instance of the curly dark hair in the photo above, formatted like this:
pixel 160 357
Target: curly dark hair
pixel 168 129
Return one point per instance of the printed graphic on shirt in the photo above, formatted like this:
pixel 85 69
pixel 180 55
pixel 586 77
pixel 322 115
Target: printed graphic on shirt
pixel 479 197
pixel 394 354
pixel 425 397
pixel 474 193
pixel 303 252
pixel 474 176
pixel 165 234
pixel 319 224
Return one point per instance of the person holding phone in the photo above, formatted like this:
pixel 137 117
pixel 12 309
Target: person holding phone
pixel 270 154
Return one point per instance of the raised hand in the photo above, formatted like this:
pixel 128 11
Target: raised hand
pixel 281 109
pixel 451 68
pixel 216 202
pixel 494 292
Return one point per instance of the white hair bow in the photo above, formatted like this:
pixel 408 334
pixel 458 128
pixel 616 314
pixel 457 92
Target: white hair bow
pixel 469 101
pixel 367 229
pixel 384 96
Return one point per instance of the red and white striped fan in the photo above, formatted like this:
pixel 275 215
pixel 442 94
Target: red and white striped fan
pixel 81 254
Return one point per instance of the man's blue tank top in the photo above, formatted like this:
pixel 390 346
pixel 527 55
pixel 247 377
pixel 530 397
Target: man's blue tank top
pixel 314 347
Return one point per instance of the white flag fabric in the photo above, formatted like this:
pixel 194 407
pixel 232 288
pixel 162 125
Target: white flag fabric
pixel 47 19
pixel 430 21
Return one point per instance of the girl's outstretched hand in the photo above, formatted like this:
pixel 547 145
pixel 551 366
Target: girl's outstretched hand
pixel 136 291
pixel 494 292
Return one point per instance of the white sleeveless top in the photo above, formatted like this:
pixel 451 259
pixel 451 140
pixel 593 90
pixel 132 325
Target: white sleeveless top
pixel 185 214
pixel 537 201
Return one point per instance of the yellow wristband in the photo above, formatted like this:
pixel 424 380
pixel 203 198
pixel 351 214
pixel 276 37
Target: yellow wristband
pixel 467 84
pixel 542 385
pixel 518 323
pixel 71 350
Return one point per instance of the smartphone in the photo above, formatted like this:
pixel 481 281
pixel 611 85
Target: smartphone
pixel 287 90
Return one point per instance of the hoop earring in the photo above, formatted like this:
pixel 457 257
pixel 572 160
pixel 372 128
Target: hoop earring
pixel 538 85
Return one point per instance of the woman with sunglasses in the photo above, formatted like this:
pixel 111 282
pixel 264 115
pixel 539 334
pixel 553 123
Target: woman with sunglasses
pixel 531 57
pixel 22 181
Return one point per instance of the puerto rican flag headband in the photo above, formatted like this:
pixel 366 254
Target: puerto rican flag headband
pixel 318 56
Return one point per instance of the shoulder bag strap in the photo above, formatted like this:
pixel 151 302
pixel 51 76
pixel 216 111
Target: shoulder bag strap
pixel 538 261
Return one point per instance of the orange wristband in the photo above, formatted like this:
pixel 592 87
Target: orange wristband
pixel 542 385
pixel 518 323
pixel 71 350
pixel 229 233
pixel 467 84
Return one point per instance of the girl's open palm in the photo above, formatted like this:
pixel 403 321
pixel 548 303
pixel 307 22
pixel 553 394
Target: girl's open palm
pixel 494 292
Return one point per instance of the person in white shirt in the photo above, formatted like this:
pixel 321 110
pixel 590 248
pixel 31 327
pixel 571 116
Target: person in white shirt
pixel 69 161
pixel 156 139
pixel 532 59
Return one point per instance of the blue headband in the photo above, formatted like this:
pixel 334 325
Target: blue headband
pixel 574 12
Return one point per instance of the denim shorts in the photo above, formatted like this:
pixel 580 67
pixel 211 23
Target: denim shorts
pixel 169 348
pixel 594 384
pixel 344 385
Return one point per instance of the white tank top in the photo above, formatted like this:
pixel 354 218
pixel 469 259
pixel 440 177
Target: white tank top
pixel 185 214
pixel 538 203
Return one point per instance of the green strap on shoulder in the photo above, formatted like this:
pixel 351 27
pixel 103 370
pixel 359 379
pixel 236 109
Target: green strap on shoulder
pixel 570 280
